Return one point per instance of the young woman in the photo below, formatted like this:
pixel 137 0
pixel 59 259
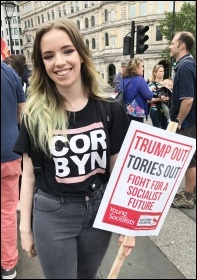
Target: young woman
pixel 136 91
pixel 156 112
pixel 63 130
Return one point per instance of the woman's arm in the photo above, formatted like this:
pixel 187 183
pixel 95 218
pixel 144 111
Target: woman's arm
pixel 26 203
pixel 163 98
pixel 144 90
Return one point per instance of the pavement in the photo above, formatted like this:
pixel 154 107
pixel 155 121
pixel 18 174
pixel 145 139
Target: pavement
pixel 170 255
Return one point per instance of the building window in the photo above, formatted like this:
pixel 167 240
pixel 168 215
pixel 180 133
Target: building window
pixel 78 24
pixel 52 15
pixel 86 23
pixel 170 6
pixel 15 31
pixel 77 6
pixel 160 7
pixel 64 9
pixel 142 9
pixel 42 18
pixel 29 39
pixel 92 21
pixel 32 23
pixel 14 20
pixel 113 40
pixel 106 39
pixel 28 24
pixel 93 43
pixel 87 43
pixel 38 19
pixel 59 12
pixel 158 34
pixel 86 4
pixel 132 10
pixel 113 15
pixel 16 42
pixel 106 15
pixel 71 8
pixel 48 15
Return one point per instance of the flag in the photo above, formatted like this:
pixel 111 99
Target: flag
pixel 4 49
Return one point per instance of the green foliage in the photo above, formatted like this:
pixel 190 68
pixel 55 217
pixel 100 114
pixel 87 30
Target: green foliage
pixel 184 20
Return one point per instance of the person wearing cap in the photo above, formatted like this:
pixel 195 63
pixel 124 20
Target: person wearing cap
pixel 118 77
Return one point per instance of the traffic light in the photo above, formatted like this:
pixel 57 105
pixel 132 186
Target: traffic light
pixel 141 47
pixel 126 45
pixel 174 64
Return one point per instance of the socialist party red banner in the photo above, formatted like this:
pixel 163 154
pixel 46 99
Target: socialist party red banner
pixel 4 49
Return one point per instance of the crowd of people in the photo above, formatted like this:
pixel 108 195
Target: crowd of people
pixel 59 205
pixel 167 100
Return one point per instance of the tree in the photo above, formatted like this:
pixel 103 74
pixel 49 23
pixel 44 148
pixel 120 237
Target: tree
pixel 184 20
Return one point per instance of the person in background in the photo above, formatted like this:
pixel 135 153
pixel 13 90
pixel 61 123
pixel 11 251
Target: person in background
pixel 168 83
pixel 136 91
pixel 183 108
pixel 166 90
pixel 156 112
pixel 12 102
pixel 14 61
pixel 27 72
pixel 77 154
pixel 118 77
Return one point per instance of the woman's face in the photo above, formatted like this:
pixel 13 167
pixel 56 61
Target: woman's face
pixel 61 60
pixel 159 73
pixel 140 69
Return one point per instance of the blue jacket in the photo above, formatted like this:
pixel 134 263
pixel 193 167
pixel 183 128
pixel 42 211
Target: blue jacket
pixel 135 87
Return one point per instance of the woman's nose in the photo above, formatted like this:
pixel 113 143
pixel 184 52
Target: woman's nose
pixel 60 60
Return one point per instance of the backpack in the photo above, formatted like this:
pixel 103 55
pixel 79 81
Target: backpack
pixel 120 96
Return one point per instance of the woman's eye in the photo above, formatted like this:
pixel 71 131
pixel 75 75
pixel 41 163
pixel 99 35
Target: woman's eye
pixel 69 51
pixel 48 56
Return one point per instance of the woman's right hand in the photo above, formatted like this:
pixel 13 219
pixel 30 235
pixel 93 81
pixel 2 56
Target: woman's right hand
pixel 27 243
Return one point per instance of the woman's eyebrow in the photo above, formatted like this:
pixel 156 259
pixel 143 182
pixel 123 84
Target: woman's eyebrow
pixel 63 47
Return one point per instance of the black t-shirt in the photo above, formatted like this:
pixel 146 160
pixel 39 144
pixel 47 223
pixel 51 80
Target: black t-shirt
pixel 78 159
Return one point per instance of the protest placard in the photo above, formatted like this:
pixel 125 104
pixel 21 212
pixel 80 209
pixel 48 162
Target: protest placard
pixel 147 173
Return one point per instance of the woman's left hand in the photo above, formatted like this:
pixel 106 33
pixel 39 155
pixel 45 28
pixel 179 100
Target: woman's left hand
pixel 128 242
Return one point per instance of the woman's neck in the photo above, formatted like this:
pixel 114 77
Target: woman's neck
pixel 159 80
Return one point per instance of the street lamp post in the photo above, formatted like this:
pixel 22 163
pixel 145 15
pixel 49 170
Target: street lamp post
pixel 9 7
pixel 172 36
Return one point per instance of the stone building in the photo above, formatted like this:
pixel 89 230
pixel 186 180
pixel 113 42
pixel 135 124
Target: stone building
pixel 103 25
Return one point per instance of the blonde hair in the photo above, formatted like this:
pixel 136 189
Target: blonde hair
pixel 132 67
pixel 44 110
pixel 155 70
pixel 166 82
